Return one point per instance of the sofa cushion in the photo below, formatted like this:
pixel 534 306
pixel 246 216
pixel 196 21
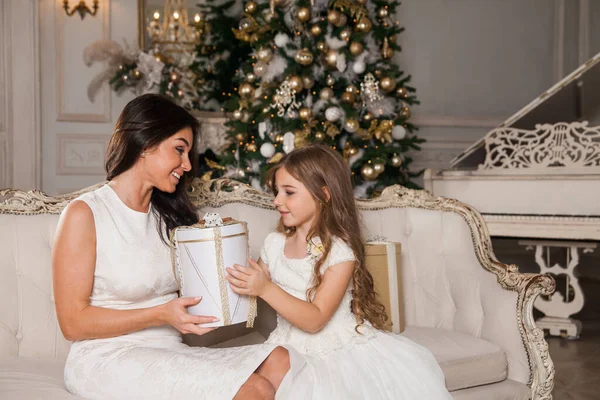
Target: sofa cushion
pixel 24 378
pixel 466 361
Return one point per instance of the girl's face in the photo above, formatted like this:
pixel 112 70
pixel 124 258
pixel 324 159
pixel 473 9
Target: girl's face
pixel 166 163
pixel 294 202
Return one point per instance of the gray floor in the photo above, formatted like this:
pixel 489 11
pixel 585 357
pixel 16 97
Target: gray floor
pixel 577 364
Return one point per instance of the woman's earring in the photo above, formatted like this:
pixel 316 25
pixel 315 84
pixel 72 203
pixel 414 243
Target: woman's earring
pixel 143 154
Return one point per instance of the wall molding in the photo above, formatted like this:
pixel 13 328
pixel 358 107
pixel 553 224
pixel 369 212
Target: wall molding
pixel 584 31
pixel 80 154
pixel 5 160
pixel 24 139
pixel 64 115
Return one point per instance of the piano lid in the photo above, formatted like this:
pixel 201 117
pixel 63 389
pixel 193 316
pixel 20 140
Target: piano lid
pixel 574 98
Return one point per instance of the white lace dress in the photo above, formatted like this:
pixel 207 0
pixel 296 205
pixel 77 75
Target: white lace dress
pixel 341 363
pixel 133 270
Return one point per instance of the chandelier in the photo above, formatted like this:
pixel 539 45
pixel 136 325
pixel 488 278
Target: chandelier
pixel 176 33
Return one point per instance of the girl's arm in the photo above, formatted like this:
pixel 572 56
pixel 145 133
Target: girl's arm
pixel 310 317
pixel 73 265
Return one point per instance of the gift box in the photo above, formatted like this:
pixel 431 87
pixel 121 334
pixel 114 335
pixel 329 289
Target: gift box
pixel 383 262
pixel 200 254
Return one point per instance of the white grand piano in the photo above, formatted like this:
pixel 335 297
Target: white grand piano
pixel 537 177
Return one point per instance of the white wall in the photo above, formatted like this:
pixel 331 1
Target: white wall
pixel 476 62
pixel 473 62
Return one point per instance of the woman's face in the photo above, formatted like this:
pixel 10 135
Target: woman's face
pixel 166 163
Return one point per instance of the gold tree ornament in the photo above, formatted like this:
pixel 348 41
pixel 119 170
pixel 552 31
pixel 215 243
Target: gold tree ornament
pixel 405 113
pixel 303 14
pixel 364 25
pixel 356 48
pixel 264 54
pixel 237 114
pixel 296 83
pixel 320 136
pixel 251 147
pixel 351 125
pixel 331 57
pixel 308 82
pixel 241 136
pixel 278 138
pixel 386 51
pixel 381 131
pixel 250 7
pixel 348 98
pixel 379 168
pixel 387 84
pixel 383 12
pixel 251 77
pixel 345 34
pixel 330 81
pixel 368 116
pixel 322 47
pixel 305 113
pixel 368 172
pixel 402 92
pixel 260 68
pixel 326 94
pixel 316 30
pixel 304 57
pixel 276 158
pixel 350 151
pixel 396 160
pixel 334 17
pixel 246 90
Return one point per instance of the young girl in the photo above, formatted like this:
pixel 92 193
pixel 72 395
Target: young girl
pixel 312 272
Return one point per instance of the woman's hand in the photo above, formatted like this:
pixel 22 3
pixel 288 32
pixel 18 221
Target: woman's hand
pixel 175 314
pixel 252 280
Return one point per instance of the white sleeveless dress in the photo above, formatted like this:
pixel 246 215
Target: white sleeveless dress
pixel 341 363
pixel 133 270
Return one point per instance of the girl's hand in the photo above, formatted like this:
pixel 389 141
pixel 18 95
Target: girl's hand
pixel 250 280
pixel 175 314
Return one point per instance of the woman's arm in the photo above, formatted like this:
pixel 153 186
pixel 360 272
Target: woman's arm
pixel 73 265
pixel 310 317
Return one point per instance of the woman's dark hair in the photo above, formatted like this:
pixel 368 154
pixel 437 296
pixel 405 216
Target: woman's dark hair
pixel 144 123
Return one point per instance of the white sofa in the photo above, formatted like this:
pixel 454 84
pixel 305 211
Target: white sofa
pixel 472 312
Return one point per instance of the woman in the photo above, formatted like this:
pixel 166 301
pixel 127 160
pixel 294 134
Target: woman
pixel 116 296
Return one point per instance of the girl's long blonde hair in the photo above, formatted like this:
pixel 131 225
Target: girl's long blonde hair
pixel 319 167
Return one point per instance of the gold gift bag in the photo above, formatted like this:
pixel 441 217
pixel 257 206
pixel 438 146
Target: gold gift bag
pixel 383 262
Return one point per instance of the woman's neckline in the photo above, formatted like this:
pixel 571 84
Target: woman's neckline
pixel 126 206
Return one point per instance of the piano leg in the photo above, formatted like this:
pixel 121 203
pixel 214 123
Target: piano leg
pixel 558 308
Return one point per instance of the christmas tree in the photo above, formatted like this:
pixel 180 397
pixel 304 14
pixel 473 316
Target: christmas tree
pixel 322 71
pixel 198 76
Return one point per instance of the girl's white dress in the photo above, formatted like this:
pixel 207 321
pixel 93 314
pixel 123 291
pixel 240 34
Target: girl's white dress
pixel 341 363
pixel 133 270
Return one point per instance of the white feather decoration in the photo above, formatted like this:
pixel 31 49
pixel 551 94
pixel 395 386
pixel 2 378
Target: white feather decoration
pixel 275 68
pixel 281 39
pixel 340 63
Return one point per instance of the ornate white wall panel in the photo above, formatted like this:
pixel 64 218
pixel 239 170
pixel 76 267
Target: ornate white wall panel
pixel 81 154
pixel 72 76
